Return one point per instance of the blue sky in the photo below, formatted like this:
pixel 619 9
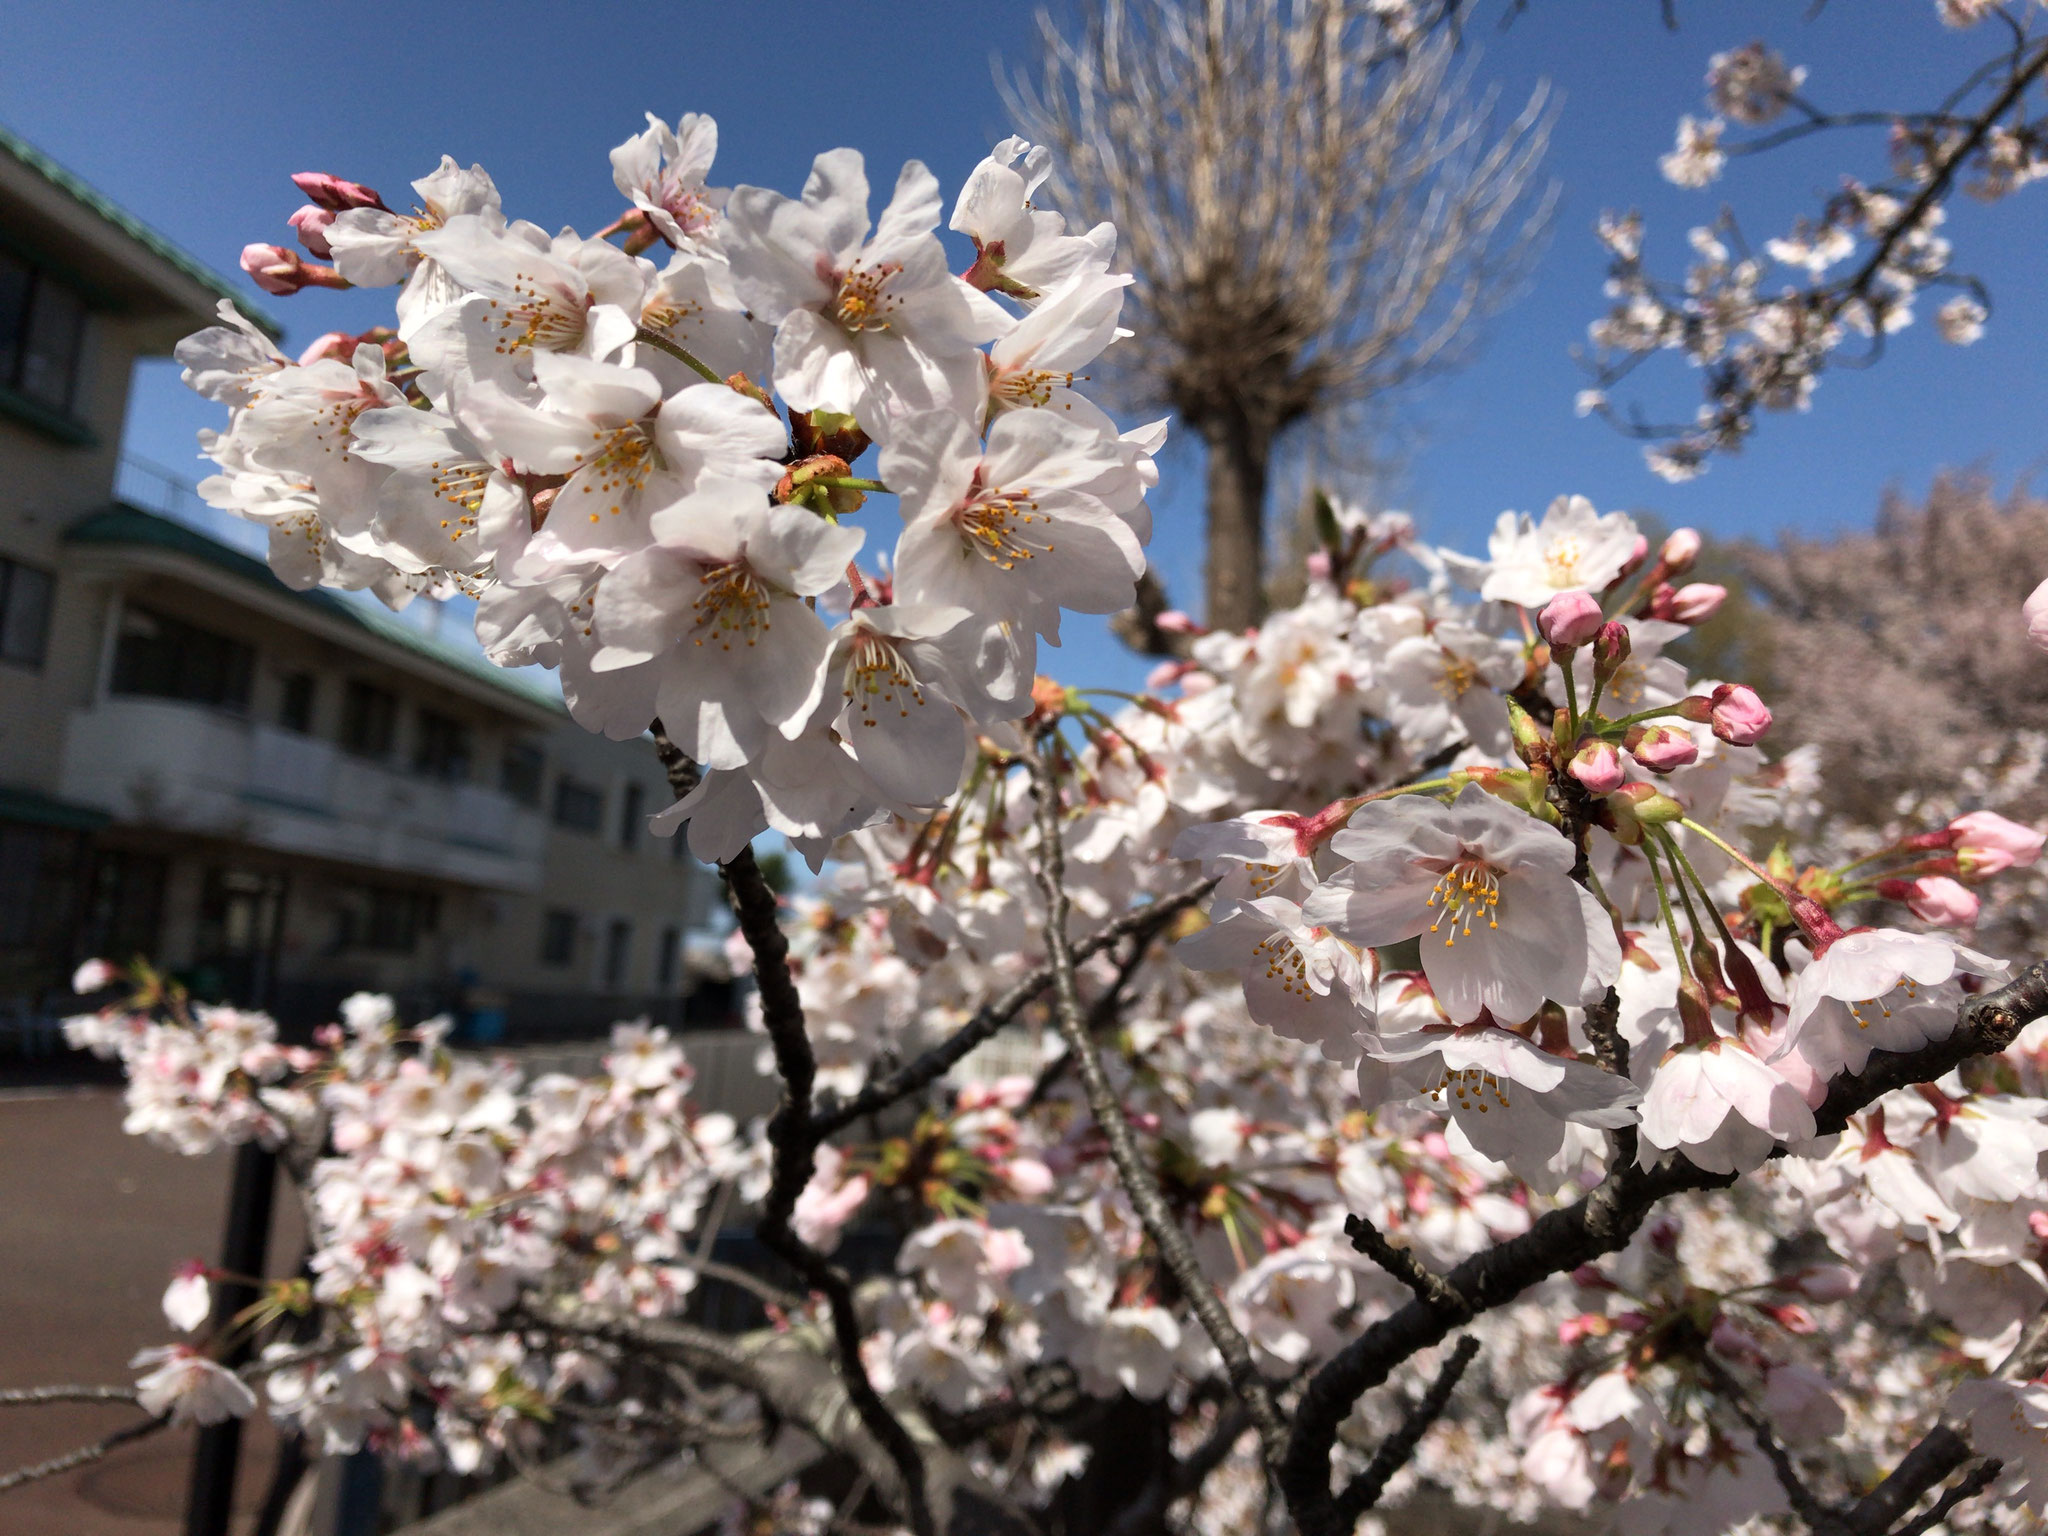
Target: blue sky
pixel 194 116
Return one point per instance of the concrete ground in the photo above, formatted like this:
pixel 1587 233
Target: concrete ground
pixel 92 1222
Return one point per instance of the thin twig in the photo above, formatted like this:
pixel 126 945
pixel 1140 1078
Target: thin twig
pixel 1394 1452
pixel 1139 1182
pixel 1403 1265
pixel 1824 1519
pixel 1982 1476
pixel 23 1396
pixel 931 1065
pixel 82 1456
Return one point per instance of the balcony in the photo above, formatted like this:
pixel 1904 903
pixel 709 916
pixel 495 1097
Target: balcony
pixel 183 767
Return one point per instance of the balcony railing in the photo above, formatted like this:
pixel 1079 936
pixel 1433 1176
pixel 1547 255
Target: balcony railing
pixel 153 762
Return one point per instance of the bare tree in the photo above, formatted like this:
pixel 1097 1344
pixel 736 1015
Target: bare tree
pixel 1315 209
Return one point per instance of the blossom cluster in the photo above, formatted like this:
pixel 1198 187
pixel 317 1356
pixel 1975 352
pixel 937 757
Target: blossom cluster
pixel 590 443
pixel 1762 323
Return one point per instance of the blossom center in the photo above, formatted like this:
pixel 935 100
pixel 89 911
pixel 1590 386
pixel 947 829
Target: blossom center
pixel 1910 987
pixel 863 302
pixel 461 484
pixel 551 321
pixel 1028 386
pixel 1285 964
pixel 876 675
pixel 1470 1087
pixel 732 603
pixel 1463 894
pixel 1459 676
pixel 994 526
pixel 618 466
pixel 1562 559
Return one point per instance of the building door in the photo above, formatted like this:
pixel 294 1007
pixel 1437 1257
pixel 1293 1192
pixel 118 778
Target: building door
pixel 241 913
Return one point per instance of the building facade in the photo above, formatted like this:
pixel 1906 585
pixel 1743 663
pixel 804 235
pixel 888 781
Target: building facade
pixel 283 797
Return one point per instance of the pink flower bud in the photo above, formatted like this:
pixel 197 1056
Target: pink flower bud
pixel 1662 748
pixel 1598 766
pixel 1569 619
pixel 338 344
pixel 2035 611
pixel 1611 646
pixel 1696 602
pixel 311 222
pixel 1318 564
pixel 1739 716
pixel 1823 1282
pixel 1679 551
pixel 277 270
pixel 1985 843
pixel 1934 899
pixel 1174 622
pixel 93 976
pixel 335 194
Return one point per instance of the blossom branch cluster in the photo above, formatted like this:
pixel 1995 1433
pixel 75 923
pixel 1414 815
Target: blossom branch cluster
pixel 1762 325
pixel 1439 957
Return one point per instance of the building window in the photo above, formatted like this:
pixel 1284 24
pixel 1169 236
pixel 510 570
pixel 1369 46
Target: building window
pixel 630 810
pixel 442 750
pixel 388 920
pixel 42 335
pixel 579 807
pixel 369 719
pixel 557 937
pixel 521 771
pixel 24 612
pixel 38 890
pixel 163 658
pixel 667 958
pixel 124 913
pixel 295 702
pixel 618 954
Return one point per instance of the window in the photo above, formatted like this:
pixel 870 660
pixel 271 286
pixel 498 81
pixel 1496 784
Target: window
pixel 163 658
pixel 579 807
pixel 295 704
pixel 521 770
pixel 24 612
pixel 630 810
pixel 666 957
pixel 557 937
pixel 388 919
pixel 42 334
pixel 369 719
pixel 442 750
pixel 618 954
pixel 38 888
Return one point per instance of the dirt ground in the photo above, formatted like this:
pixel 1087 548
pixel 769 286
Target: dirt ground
pixel 92 1222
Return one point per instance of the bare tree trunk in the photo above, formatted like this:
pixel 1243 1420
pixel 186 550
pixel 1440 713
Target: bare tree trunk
pixel 1239 455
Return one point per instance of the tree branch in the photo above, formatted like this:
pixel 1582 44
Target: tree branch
pixel 1139 1183
pixel 1602 1222
pixel 23 1396
pixel 794 1140
pixel 1397 1448
pixel 1823 1518
pixel 1403 1265
pixel 833 1116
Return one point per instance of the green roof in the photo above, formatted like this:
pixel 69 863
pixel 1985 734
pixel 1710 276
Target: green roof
pixel 133 227
pixel 121 524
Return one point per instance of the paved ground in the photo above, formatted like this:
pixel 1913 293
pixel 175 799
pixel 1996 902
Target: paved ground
pixel 91 1224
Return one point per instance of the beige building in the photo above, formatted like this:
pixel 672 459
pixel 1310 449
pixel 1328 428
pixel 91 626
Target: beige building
pixel 281 796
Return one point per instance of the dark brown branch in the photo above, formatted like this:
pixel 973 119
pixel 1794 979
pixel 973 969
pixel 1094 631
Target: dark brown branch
pixel 834 1116
pixel 1980 1477
pixel 1602 1223
pixel 794 1141
pixel 82 1456
pixel 1138 1180
pixel 1401 1263
pixel 1397 1448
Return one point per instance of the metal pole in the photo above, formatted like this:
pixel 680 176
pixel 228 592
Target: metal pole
pixel 244 1250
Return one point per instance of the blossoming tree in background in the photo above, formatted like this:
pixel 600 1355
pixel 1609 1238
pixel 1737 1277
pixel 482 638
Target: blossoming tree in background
pixel 1465 1083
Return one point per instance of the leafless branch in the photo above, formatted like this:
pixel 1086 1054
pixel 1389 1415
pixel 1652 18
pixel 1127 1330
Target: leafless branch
pixel 1394 1452
pixel 82 1456
pixel 22 1396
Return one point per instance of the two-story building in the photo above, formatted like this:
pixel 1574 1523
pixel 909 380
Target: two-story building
pixel 281 796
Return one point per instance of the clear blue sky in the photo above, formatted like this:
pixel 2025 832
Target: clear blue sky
pixel 194 115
